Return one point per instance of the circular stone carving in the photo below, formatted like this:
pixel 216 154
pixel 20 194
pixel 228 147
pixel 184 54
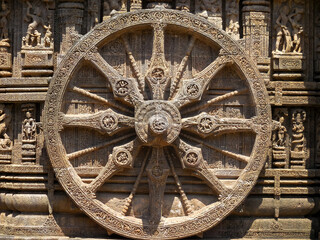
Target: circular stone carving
pixel 159 123
pixel 122 157
pixel 206 124
pixel 122 88
pixel 192 158
pixel 159 117
pixel 162 128
pixel 192 90
pixel 157 75
pixel 109 121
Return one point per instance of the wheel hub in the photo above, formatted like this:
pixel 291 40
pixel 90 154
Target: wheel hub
pixel 157 122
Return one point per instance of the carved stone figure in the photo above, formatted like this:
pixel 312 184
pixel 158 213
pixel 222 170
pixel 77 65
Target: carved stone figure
pixel 28 127
pixel 298 119
pixel 29 140
pixel 297 31
pixel 5 55
pixel 36 20
pixel 47 41
pixel 298 139
pixel 4 14
pixel 279 139
pixel 5 119
pixel 233 15
pixel 281 133
pixel 283 33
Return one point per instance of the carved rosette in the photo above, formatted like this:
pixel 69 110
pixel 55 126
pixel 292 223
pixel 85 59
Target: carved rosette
pixel 163 112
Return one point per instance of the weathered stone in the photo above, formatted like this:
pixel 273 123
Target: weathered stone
pixel 159 119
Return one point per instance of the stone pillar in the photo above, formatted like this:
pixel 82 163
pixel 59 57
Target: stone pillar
pixel 70 15
pixel 256 30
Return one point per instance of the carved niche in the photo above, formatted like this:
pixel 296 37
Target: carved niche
pixel 289 42
pixel 163 121
pixel 37 42
pixel 29 134
pixel 280 139
pixel 5 55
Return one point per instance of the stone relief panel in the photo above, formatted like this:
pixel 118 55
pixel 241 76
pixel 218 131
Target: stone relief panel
pixel 232 18
pixel 298 141
pixel 5 41
pixel 29 134
pixel 289 26
pixel 5 133
pixel 290 147
pixel 280 146
pixel 37 42
pixel 290 31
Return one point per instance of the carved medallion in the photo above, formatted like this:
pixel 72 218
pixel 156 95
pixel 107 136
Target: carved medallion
pixel 160 122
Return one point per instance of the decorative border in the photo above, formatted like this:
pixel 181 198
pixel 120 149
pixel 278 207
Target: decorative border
pixel 71 182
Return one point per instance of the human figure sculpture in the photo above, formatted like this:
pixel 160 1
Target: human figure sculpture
pixel 5 119
pixel 281 133
pixel 233 26
pixel 29 127
pixel 298 129
pixel 36 20
pixel 295 19
pixel 283 33
pixel 48 36
pixel 4 22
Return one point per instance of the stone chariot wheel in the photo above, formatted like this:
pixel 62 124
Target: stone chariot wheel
pixel 157 124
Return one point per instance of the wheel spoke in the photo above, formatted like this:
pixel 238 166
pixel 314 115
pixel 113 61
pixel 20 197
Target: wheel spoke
pixel 235 156
pixel 107 121
pixel 124 89
pixel 191 158
pixel 157 171
pixel 192 89
pixel 122 157
pixel 135 186
pixel 206 125
pixel 157 75
pixel 100 99
pixel 215 100
pixel 79 153
pixel 186 204
pixel 181 68
pixel 140 79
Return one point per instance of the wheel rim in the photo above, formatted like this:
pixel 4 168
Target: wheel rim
pixel 164 122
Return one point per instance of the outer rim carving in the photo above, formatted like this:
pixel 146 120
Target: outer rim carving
pixel 72 184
